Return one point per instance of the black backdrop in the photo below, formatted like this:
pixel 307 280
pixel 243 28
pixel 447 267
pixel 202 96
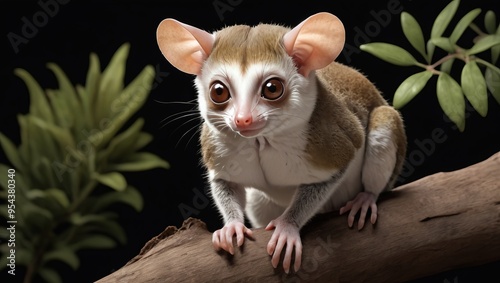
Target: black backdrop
pixel 80 27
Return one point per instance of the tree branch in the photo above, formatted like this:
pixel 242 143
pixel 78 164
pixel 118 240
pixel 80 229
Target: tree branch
pixel 441 222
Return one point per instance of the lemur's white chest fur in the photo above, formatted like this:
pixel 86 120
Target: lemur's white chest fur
pixel 276 166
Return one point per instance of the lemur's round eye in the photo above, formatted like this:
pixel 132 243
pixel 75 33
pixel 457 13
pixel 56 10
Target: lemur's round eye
pixel 219 93
pixel 272 89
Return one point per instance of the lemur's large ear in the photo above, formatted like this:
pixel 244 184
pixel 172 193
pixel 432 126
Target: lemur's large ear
pixel 315 42
pixel 184 46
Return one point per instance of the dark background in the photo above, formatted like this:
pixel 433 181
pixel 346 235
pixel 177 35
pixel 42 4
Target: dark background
pixel 81 27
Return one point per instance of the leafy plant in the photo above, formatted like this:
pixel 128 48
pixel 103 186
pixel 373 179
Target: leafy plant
pixel 475 81
pixel 72 149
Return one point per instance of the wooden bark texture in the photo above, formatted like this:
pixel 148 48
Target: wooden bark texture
pixel 441 222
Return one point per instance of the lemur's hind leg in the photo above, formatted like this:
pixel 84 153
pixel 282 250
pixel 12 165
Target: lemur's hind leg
pixel 384 155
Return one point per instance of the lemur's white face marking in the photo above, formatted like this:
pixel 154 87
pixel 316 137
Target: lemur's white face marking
pixel 262 100
pixel 250 85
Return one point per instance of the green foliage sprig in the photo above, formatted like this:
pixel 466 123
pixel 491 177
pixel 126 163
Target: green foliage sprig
pixel 474 84
pixel 73 141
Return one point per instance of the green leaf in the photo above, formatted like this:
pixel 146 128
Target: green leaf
pixel 46 142
pixel 64 116
pixel 390 53
pixel 64 83
pixel 443 19
pixel 143 140
pixel 463 24
pixel 108 227
pixel 24 256
pixel 413 32
pixel 63 136
pixel 113 229
pixel 113 180
pixel 80 220
pixel 94 242
pixel 63 254
pixel 35 193
pixel 85 104
pixel 49 275
pixel 113 76
pixel 34 217
pixel 130 196
pixel 483 44
pixel 430 50
pixel 410 87
pixel 139 161
pixel 444 43
pixel 39 105
pixel 495 50
pixel 474 87
pixel 488 65
pixel 493 83
pixel 11 152
pixel 40 199
pixel 446 66
pixel 92 88
pixel 129 101
pixel 33 152
pixel 68 97
pixel 123 143
pixel 451 99
pixel 24 148
pixel 490 22
pixel 111 83
pixel 45 168
pixel 53 195
pixel 59 196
